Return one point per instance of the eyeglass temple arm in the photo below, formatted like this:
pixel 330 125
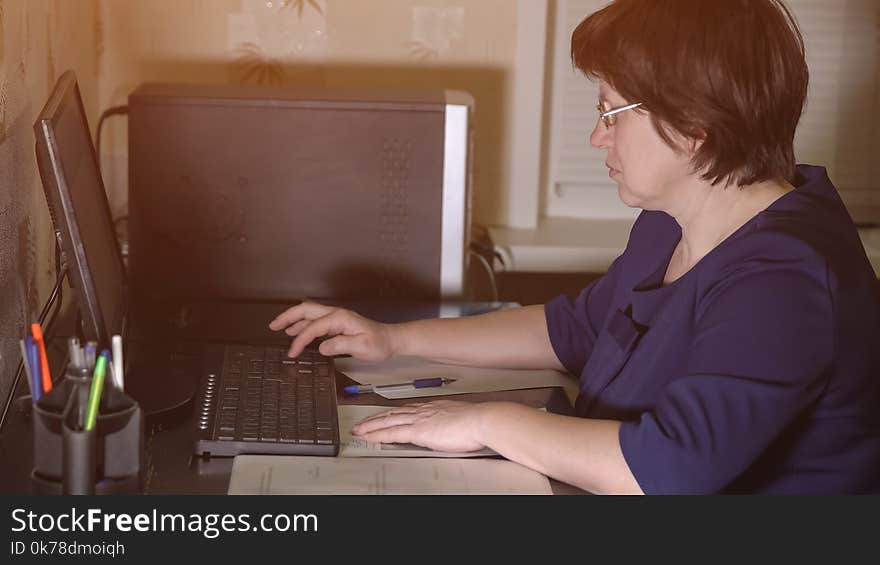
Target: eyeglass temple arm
pixel 621 109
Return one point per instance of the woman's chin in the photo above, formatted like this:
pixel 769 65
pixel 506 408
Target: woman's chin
pixel 627 197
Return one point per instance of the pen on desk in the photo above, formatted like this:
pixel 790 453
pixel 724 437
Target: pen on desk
pixel 96 390
pixel 33 354
pixel 27 367
pixel 46 376
pixel 417 383
pixel 116 343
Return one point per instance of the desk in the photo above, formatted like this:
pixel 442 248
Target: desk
pixel 172 468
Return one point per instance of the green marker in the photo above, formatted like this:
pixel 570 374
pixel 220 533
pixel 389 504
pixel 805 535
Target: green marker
pixel 97 388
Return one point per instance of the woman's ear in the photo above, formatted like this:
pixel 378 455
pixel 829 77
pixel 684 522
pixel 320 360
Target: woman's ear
pixel 696 140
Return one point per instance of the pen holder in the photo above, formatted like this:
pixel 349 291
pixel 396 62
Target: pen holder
pixel 71 460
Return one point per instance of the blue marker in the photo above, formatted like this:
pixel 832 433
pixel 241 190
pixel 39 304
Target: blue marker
pixel 33 359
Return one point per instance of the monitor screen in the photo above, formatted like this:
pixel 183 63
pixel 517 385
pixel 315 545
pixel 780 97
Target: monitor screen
pixel 80 211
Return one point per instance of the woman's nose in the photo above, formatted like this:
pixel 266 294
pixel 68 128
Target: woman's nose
pixel 601 136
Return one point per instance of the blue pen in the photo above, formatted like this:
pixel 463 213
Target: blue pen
pixel 27 367
pixel 90 355
pixel 33 359
pixel 417 383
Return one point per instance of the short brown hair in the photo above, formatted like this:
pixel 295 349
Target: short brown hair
pixel 730 72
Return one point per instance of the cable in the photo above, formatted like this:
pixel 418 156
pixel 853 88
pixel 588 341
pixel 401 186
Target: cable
pixel 61 270
pixel 114 111
pixel 490 272
pixel 484 249
pixel 481 245
pixel 481 249
pixel 59 299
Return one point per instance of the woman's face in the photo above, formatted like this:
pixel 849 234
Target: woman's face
pixel 649 173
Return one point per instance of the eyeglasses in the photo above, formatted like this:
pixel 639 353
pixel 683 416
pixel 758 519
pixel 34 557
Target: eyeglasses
pixel 609 115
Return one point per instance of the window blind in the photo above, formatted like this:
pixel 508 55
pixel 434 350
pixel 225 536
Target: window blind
pixel 840 128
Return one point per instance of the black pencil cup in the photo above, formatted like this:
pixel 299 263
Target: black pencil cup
pixel 108 459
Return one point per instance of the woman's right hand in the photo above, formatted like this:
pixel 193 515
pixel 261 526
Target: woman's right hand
pixel 354 335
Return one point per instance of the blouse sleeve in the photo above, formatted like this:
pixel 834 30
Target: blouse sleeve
pixel 762 350
pixel 574 324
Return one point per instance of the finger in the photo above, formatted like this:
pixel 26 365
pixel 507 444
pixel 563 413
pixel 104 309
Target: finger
pixel 386 420
pixel 389 413
pixel 383 417
pixel 332 323
pixel 303 311
pixel 286 318
pixel 297 327
pixel 396 434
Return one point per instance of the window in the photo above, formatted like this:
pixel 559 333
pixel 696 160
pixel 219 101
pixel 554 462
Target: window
pixel 840 128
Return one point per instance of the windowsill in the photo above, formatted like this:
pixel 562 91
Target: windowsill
pixel 562 245
pixel 567 245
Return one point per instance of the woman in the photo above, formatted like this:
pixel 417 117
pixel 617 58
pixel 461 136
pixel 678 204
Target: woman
pixel 733 346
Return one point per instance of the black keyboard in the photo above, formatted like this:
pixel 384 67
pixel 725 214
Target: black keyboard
pixel 262 402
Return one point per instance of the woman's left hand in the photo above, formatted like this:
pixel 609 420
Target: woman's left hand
pixel 443 425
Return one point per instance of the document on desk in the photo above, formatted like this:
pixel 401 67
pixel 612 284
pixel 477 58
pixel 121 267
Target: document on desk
pixel 351 446
pixel 278 474
pixel 467 379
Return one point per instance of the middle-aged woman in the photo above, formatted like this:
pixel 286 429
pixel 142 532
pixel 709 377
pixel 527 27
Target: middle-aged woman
pixel 734 346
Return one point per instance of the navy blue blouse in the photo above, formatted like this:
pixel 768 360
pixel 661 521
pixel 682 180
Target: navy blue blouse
pixel 756 371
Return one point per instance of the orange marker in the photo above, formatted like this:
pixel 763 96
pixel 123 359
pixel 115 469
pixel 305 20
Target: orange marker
pixel 44 360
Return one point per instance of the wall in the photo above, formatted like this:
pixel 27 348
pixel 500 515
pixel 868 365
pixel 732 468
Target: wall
pixel 462 44
pixel 39 39
pixel 114 45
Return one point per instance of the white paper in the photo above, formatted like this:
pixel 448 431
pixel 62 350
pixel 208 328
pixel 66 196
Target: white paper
pixel 468 379
pixel 351 446
pixel 274 474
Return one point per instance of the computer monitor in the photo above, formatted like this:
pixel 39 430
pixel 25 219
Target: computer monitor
pixel 80 212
